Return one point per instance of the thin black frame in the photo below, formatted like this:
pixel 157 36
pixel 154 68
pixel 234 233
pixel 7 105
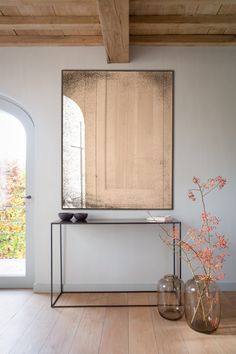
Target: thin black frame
pixel 177 268
pixel 173 130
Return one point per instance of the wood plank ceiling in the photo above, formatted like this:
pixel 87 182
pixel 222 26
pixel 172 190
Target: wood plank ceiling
pixel 117 23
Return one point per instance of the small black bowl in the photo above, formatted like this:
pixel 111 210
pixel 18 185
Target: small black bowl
pixel 65 216
pixel 81 216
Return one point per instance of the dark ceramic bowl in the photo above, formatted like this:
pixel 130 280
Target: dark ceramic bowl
pixel 81 216
pixel 65 216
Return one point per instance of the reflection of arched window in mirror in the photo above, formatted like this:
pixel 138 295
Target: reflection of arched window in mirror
pixel 74 155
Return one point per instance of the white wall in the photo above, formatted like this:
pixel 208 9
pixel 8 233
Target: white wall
pixel 205 145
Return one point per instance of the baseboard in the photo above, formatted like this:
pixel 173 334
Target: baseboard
pixel 225 286
pixel 38 287
pixel 45 288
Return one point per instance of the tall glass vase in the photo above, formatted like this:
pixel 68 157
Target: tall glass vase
pixel 171 297
pixel 202 305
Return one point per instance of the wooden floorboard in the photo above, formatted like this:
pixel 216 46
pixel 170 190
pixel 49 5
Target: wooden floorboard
pixel 115 335
pixel 89 332
pixel 29 326
pixel 11 302
pixel 141 332
pixel 60 339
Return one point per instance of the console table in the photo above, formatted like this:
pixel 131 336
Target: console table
pixel 62 224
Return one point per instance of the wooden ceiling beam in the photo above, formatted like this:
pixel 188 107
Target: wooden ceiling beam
pixel 18 41
pixel 77 2
pixel 114 19
pixel 179 19
pixel 160 40
pixel 76 22
pixel 42 2
pixel 47 22
pixel 184 40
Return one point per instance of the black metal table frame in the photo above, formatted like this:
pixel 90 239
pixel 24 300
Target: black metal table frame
pixel 59 223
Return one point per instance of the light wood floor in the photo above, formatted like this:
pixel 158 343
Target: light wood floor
pixel 29 325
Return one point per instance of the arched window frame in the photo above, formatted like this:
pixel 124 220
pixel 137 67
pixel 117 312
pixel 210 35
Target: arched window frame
pixel 13 108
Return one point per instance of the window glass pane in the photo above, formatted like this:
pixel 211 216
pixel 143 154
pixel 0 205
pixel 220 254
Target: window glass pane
pixel 12 193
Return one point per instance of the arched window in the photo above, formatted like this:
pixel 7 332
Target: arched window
pixel 74 155
pixel 12 192
pixel 16 155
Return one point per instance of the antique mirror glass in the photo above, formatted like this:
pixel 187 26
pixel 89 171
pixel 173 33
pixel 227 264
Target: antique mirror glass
pixel 117 129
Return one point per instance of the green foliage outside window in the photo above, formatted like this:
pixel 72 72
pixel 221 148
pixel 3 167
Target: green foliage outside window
pixel 12 213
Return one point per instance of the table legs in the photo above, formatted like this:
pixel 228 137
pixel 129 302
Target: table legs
pixel 176 268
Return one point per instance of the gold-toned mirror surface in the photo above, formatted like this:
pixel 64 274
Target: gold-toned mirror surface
pixel 117 139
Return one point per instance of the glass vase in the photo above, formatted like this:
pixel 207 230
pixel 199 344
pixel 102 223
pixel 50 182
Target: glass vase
pixel 202 305
pixel 171 297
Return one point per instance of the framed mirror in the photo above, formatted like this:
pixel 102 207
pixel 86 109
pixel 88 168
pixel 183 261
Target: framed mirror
pixel 117 139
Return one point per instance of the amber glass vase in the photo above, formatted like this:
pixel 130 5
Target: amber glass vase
pixel 171 297
pixel 202 305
